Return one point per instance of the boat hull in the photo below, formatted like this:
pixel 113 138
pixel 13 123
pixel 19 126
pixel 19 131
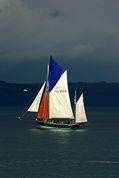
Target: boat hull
pixel 50 125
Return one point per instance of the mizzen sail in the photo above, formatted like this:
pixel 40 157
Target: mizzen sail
pixel 80 115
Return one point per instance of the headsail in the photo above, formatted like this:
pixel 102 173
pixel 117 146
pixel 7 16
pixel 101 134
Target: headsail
pixel 80 116
pixel 35 104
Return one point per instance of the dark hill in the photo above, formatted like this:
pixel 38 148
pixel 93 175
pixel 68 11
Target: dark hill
pixel 95 94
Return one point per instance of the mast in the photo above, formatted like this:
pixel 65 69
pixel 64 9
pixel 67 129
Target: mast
pixel 47 82
pixel 74 104
pixel 47 89
pixel 43 112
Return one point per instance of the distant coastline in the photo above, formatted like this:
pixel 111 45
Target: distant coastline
pixel 95 94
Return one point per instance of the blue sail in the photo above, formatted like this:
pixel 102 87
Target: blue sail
pixel 55 72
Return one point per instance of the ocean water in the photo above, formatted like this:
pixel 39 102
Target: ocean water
pixel 89 152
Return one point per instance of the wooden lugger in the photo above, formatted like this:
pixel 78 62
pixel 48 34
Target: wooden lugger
pixel 41 124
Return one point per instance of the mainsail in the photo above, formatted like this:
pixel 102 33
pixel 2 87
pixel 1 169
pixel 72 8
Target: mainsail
pixel 80 116
pixel 43 111
pixel 59 101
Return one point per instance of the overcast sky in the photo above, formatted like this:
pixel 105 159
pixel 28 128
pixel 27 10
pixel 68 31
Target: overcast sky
pixel 83 35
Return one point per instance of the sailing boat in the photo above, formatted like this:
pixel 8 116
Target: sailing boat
pixel 52 103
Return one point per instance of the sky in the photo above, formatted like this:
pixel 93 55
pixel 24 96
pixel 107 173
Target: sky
pixel 82 35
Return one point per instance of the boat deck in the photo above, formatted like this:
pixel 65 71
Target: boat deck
pixel 41 124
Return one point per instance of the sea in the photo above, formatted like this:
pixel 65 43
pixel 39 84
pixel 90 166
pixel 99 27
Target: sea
pixel 89 152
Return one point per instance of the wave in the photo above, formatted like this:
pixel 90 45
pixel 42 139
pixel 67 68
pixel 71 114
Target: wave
pixel 104 162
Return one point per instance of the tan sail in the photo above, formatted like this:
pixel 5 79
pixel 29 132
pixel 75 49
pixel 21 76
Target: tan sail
pixel 43 112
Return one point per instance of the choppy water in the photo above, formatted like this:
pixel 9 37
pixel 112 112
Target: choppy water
pixel 90 152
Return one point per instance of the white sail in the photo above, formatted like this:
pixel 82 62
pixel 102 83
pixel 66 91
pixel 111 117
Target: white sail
pixel 35 104
pixel 59 101
pixel 80 116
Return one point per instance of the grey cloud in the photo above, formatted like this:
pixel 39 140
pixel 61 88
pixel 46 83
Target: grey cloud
pixel 1 10
pixel 79 30
pixel 31 4
pixel 56 14
pixel 80 50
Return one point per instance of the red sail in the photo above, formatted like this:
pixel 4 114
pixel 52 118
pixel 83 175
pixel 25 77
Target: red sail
pixel 44 109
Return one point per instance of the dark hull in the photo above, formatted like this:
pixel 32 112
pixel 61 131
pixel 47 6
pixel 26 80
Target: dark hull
pixel 50 125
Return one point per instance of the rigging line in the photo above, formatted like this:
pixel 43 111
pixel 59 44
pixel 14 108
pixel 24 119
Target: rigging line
pixel 35 93
pixel 26 107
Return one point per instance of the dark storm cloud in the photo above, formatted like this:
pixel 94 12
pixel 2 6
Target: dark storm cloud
pixel 1 10
pixel 76 32
pixel 56 14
